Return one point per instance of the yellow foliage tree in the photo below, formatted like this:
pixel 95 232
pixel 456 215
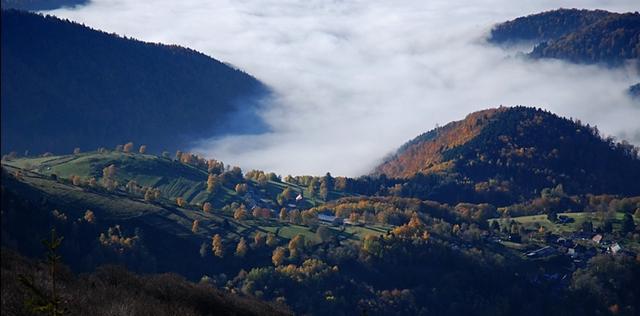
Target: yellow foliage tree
pixel 258 240
pixel 76 180
pixel 89 217
pixel 212 183
pixel 241 188
pixel 296 244
pixel 241 248
pixel 217 247
pixel 278 256
pixel 240 213
pixel 271 240
pixel 294 217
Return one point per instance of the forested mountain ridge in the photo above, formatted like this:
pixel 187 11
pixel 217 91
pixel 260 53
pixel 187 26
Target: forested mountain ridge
pixel 65 86
pixel 611 40
pixel 520 150
pixel 634 91
pixel 545 26
pixel 34 5
pixel 579 36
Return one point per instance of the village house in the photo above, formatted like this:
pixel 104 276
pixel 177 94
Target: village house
pixel 330 219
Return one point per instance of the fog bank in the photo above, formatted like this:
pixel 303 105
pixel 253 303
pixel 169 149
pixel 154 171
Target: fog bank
pixel 356 79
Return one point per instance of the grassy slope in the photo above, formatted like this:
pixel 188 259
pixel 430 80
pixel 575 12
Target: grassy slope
pixel 173 179
pixel 579 218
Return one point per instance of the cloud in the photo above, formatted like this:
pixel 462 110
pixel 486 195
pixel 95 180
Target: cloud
pixel 356 79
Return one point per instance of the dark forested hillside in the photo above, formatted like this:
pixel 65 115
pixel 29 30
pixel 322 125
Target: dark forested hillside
pixel 579 36
pixel 611 40
pixel 519 151
pixel 66 86
pixel 113 290
pixel 545 26
pixel 33 5
pixel 634 91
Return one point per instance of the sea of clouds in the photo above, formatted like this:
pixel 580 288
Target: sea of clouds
pixel 355 79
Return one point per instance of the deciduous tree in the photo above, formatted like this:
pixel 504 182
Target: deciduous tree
pixel 258 240
pixel 212 183
pixel 295 218
pixel 296 244
pixel 271 240
pixel 241 248
pixel 278 256
pixel 241 188
pixel 206 207
pixel 216 245
pixel 195 226
pixel 89 217
pixel 127 147
pixel 240 213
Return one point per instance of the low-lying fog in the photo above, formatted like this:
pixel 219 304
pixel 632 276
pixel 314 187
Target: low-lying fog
pixel 356 79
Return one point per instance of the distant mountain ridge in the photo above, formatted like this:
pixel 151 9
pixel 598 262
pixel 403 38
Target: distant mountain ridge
pixel 579 36
pixel 545 26
pixel 520 149
pixel 634 91
pixel 65 85
pixel 35 5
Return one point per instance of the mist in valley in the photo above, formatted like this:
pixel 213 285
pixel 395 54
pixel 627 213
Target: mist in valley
pixel 354 80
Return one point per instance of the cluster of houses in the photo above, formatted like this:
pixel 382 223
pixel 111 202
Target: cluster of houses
pixel 253 201
pixel 580 247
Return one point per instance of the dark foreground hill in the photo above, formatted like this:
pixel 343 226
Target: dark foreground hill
pixel 579 36
pixel 520 151
pixel 112 290
pixel 65 86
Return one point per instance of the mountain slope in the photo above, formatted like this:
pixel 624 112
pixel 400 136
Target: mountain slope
pixel 523 150
pixel 34 5
pixel 545 26
pixel 579 36
pixel 611 40
pixel 65 86
pixel 634 91
pixel 32 188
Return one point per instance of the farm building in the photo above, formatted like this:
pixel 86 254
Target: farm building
pixel 330 219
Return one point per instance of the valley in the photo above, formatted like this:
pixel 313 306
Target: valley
pixel 319 158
